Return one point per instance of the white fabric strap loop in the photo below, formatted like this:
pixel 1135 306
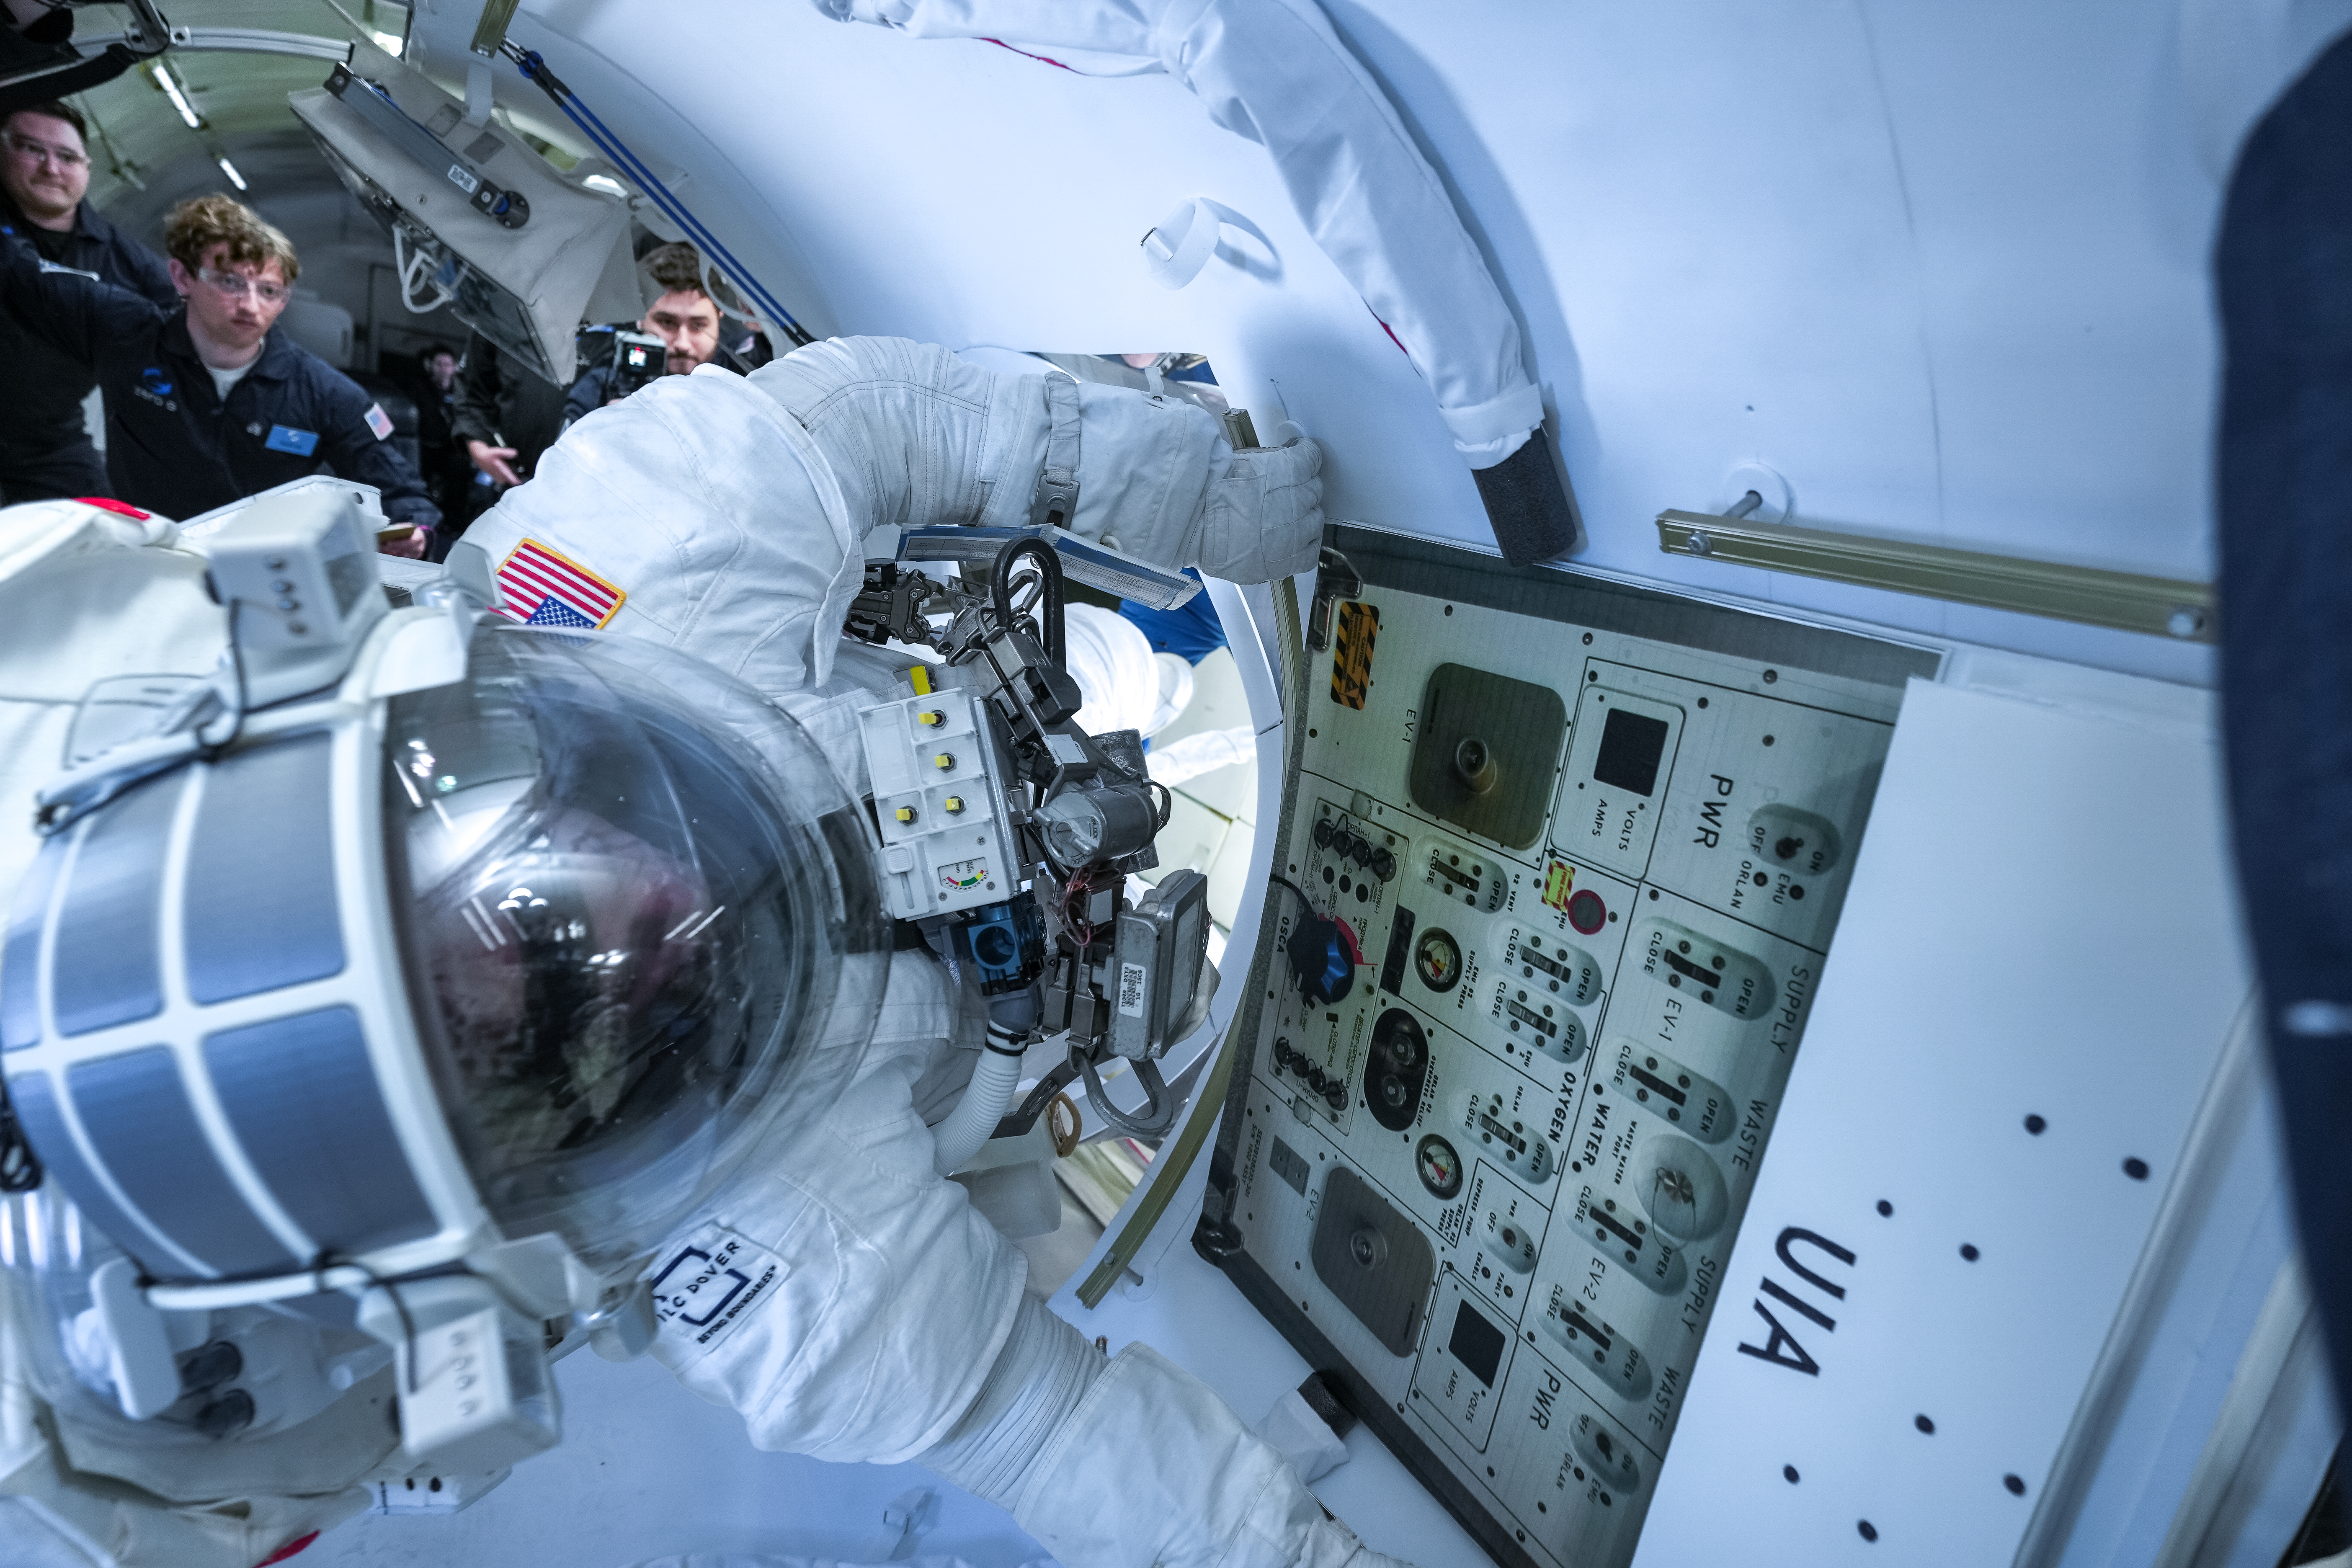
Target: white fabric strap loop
pixel 1515 413
pixel 1180 244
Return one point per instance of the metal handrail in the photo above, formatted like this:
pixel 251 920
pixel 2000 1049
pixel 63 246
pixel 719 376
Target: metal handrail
pixel 2159 607
pixel 260 41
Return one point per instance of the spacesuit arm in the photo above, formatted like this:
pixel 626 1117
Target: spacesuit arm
pixel 839 1294
pixel 918 436
pixel 1132 1462
pixel 731 511
pixel 854 1307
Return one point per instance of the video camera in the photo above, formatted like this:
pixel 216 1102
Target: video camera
pixel 638 359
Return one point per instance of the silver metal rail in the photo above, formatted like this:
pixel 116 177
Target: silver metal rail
pixel 260 41
pixel 2159 607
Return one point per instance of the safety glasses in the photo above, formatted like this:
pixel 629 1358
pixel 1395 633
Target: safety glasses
pixel 38 151
pixel 236 286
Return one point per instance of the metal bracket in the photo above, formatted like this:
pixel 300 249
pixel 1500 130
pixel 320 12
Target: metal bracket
pixel 497 16
pixel 1334 579
pixel 376 109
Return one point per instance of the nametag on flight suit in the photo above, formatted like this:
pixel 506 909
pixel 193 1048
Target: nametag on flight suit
pixel 710 1281
pixel 286 439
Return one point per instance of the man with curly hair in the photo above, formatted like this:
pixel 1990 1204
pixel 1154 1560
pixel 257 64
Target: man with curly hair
pixel 207 403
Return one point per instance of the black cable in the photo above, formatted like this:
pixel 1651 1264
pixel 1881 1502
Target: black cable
pixel 1049 604
pixel 236 668
pixel 1280 881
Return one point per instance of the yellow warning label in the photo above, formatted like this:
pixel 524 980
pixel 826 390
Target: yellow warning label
pixel 1351 654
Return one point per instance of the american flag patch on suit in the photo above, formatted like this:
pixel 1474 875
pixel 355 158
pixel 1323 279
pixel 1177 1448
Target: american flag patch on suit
pixel 543 587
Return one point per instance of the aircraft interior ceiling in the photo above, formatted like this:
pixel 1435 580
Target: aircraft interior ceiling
pixel 1888 255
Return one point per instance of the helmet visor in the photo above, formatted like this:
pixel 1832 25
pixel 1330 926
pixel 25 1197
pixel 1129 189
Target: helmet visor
pixel 638 917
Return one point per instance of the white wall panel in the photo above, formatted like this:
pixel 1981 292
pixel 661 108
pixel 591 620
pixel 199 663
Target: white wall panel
pixel 1943 270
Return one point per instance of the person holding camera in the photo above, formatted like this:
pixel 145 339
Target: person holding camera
pixel 683 317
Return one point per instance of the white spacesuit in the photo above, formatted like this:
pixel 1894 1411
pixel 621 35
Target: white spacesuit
pixel 866 1312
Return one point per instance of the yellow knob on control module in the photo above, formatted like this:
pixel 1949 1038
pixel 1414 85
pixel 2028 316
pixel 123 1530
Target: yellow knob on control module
pixel 954 804
pixel 905 814
pixel 933 717
pixel 944 760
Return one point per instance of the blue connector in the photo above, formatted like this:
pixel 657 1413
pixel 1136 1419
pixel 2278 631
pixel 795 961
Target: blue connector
pixel 1006 943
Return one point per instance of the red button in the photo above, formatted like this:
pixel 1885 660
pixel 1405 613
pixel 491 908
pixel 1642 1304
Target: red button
pixel 1586 912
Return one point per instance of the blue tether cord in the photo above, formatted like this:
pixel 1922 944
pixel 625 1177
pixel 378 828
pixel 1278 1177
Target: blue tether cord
pixel 534 69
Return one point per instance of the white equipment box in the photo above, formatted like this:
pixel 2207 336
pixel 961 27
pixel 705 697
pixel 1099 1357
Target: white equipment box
pixel 946 843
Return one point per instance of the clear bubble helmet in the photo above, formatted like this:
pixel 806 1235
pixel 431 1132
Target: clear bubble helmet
pixel 635 900
pixel 500 975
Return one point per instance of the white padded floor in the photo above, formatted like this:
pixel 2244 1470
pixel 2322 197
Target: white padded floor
pixel 647 1470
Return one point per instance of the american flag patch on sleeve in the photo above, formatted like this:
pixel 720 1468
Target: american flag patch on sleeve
pixel 542 587
pixel 378 421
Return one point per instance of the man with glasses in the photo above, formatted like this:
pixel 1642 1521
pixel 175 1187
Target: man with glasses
pixel 44 445
pixel 205 404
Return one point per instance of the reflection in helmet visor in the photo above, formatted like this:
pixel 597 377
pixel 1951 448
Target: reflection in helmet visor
pixel 614 916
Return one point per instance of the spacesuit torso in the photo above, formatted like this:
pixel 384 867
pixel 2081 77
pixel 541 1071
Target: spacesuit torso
pixel 728 516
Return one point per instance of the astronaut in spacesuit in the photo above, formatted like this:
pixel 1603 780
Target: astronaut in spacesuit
pixel 713 521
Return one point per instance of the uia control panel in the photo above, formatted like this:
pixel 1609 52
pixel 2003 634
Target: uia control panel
pixel 1560 862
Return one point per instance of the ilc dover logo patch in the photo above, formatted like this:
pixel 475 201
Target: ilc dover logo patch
pixel 708 1283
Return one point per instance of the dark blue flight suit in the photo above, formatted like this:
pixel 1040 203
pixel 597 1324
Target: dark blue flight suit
pixel 171 445
pixel 45 448
pixel 2281 267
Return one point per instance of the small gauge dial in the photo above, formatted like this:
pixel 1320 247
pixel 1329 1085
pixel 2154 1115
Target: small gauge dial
pixel 1439 1167
pixel 1439 960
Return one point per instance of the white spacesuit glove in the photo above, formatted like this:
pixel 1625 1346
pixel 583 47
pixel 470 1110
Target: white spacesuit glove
pixel 1263 518
pixel 1133 1463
